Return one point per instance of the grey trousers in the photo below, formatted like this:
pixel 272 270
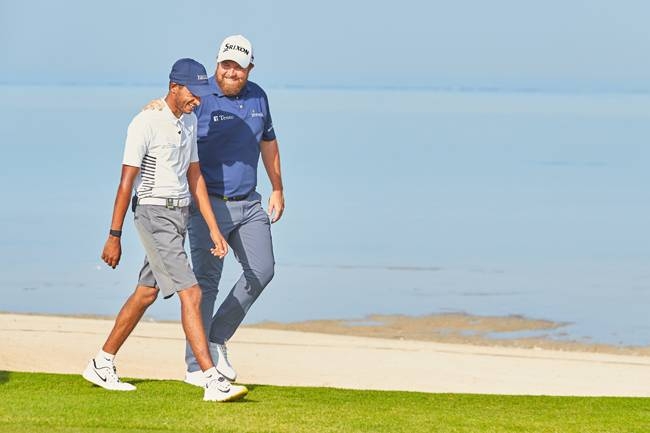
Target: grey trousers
pixel 247 228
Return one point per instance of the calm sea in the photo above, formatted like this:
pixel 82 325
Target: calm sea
pixel 416 202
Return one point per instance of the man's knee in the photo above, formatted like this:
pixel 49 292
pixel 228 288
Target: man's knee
pixel 145 296
pixel 190 295
pixel 208 283
pixel 267 274
pixel 261 277
pixel 208 273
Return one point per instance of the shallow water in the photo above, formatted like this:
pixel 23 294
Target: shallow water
pixel 489 203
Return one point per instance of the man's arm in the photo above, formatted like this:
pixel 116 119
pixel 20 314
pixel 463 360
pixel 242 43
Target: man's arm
pixel 154 104
pixel 113 248
pixel 202 202
pixel 271 159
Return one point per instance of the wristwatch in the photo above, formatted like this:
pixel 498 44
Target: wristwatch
pixel 116 233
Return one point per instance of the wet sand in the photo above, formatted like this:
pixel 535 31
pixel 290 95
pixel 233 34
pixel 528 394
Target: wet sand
pixel 458 329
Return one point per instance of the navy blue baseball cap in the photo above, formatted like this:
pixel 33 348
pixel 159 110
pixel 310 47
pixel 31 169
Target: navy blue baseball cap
pixel 191 74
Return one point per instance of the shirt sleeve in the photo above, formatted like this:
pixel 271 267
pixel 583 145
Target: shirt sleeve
pixel 138 136
pixel 269 133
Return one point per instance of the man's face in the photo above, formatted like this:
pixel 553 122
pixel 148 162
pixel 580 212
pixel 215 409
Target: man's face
pixel 186 102
pixel 231 77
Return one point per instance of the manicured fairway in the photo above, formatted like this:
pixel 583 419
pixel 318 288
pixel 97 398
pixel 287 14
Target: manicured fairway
pixel 66 403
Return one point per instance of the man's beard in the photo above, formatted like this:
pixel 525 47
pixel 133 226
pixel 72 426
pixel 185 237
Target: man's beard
pixel 230 88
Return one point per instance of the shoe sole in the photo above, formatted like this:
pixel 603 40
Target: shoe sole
pixel 91 377
pixel 238 396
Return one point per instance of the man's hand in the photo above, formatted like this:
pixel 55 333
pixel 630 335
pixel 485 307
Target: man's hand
pixel 155 104
pixel 220 245
pixel 112 251
pixel 276 205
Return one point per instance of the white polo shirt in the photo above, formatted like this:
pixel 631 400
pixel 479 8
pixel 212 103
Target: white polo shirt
pixel 163 146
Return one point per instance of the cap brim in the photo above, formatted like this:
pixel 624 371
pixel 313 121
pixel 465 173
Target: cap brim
pixel 200 89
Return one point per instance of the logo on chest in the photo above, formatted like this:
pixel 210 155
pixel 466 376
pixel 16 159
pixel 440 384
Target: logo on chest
pixel 222 117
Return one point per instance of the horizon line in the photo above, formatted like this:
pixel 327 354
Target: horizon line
pixel 460 88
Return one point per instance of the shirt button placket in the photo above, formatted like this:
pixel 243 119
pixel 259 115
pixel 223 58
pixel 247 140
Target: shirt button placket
pixel 179 125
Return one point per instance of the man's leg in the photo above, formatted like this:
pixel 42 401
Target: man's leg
pixel 129 316
pixel 216 387
pixel 193 326
pixel 251 243
pixel 207 268
pixel 101 370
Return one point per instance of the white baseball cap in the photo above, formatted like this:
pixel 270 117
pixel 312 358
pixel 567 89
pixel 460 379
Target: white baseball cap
pixel 236 48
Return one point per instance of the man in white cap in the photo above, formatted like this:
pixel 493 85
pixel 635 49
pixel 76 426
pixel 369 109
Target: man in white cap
pixel 234 129
pixel 161 160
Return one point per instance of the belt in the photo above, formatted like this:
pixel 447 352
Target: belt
pixel 231 198
pixel 169 203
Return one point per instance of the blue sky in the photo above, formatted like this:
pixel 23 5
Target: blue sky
pixel 502 43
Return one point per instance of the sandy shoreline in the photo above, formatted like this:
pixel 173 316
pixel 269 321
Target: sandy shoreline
pixel 458 328
pixel 514 331
pixel 290 357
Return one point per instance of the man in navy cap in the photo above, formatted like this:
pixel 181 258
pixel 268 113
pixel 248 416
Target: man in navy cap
pixel 161 163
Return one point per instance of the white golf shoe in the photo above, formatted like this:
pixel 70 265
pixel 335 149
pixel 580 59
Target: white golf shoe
pixel 106 377
pixel 220 389
pixel 219 354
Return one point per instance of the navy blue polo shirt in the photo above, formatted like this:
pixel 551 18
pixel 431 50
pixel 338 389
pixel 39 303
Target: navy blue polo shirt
pixel 230 129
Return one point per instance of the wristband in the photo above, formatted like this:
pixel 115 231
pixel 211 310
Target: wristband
pixel 116 233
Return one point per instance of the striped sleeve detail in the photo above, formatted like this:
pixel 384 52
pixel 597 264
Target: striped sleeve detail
pixel 148 174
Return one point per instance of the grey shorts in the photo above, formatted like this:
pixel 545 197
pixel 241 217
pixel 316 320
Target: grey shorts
pixel 162 232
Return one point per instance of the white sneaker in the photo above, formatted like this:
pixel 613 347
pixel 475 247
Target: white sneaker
pixel 196 378
pixel 220 389
pixel 106 377
pixel 219 354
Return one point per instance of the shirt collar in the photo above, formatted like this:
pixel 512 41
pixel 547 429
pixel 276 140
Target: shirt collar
pixel 168 112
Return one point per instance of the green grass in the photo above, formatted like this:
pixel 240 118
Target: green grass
pixel 66 403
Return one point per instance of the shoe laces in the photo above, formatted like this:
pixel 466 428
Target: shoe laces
pixel 220 382
pixel 114 375
pixel 111 372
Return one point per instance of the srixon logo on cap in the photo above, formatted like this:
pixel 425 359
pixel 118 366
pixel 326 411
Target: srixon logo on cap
pixel 229 47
